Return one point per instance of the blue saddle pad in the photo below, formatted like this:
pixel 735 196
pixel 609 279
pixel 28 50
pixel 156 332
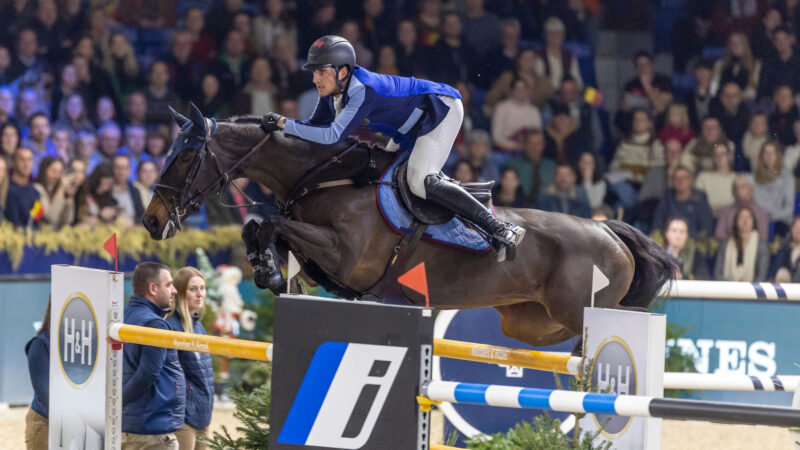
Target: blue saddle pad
pixel 453 233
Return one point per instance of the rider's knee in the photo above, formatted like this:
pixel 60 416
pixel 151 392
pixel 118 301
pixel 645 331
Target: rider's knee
pixel 417 182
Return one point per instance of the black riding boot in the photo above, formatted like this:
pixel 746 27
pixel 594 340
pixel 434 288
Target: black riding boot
pixel 266 270
pixel 504 236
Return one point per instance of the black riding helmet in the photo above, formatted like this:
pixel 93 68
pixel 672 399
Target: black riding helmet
pixel 331 51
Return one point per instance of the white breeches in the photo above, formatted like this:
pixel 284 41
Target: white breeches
pixel 431 150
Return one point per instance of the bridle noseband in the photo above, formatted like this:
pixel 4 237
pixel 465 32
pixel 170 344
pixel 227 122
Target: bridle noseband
pixel 184 201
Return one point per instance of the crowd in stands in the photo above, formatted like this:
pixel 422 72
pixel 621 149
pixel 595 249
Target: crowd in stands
pixel 85 85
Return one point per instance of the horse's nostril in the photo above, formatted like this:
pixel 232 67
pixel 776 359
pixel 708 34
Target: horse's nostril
pixel 150 222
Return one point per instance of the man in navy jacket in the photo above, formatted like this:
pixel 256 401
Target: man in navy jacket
pixel 153 384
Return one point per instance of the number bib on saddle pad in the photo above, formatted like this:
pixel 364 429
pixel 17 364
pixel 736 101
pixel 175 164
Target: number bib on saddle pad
pixel 454 233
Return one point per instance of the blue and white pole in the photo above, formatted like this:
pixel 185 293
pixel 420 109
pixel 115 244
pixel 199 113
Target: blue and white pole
pixel 621 405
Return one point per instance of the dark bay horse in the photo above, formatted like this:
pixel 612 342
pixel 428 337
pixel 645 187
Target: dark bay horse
pixel 540 295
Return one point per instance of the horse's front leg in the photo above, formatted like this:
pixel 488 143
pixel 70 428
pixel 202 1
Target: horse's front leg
pixel 318 243
pixel 259 240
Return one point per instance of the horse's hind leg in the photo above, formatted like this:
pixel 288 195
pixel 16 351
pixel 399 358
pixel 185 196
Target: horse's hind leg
pixel 530 322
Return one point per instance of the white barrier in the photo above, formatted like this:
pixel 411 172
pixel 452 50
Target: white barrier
pixel 732 290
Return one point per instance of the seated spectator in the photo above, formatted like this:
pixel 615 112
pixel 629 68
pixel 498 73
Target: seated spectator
pixel 204 49
pixel 274 20
pixel 699 153
pixel 738 66
pixel 135 142
pixel 158 95
pixel 185 72
pixel 109 139
pixel 585 114
pixel 156 148
pixel 349 30
pixel 259 95
pixel 95 202
pixel 564 142
pixel 743 256
pixel 7 106
pixel 75 117
pixel 29 102
pixel 717 184
pixel 637 152
pixel 406 49
pixel 146 178
pixel 464 172
pixel 67 85
pixel 28 67
pixel 513 116
pixel 127 197
pixel 4 182
pixel 590 177
pixel 556 62
pixel 743 195
pixel 755 137
pixel 38 140
pixel 479 147
pixel 136 109
pixel 483 26
pixel 564 196
pixel 535 170
pixel 761 40
pixel 780 69
pixel 659 178
pixel 232 65
pixel 287 75
pixel 93 80
pixel 210 99
pixel 105 112
pixel 119 61
pixel 56 193
pixel 62 138
pixel 387 61
pixel 86 150
pixel 525 68
pixel 690 263
pixel 449 60
pixel 21 195
pixel 504 54
pixel 785 267
pixel 684 201
pixel 677 125
pixel 9 140
pixel 733 115
pixel 792 153
pixel 783 116
pixel 509 192
pixel 774 187
pixel 649 90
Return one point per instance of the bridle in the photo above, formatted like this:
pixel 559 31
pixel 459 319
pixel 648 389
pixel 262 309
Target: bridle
pixel 187 200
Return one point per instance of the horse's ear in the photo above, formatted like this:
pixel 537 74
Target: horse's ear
pixel 179 118
pixel 197 117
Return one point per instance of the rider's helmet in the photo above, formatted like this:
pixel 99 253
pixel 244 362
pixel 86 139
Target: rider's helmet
pixel 331 51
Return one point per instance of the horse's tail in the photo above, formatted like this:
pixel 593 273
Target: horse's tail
pixel 653 267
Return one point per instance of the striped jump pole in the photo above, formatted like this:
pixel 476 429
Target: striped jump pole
pixel 732 290
pixel 528 359
pixel 621 405
pixel 730 382
pixel 215 345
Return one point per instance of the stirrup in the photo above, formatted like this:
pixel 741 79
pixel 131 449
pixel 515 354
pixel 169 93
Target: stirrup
pixel 505 242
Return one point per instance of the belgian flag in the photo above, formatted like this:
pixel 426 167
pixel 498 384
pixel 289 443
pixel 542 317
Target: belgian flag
pixel 37 212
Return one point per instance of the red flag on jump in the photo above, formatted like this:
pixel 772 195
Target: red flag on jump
pixel 111 247
pixel 415 279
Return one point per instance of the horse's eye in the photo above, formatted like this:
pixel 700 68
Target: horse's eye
pixel 186 157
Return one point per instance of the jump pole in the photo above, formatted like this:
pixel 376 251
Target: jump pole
pixel 528 359
pixel 731 290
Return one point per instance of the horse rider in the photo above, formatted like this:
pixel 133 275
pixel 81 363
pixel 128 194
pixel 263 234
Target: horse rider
pixel 410 111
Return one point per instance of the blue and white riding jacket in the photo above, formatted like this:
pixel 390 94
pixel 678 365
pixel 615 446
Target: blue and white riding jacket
pixel 401 108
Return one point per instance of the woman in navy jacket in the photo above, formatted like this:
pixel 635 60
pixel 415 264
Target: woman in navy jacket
pixel 38 351
pixel 189 307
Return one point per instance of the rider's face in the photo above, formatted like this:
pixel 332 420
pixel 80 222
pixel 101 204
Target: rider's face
pixel 325 80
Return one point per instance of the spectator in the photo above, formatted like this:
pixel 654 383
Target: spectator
pixel 755 137
pixel 62 138
pixel 38 139
pixel 504 57
pixel 584 114
pixel 28 67
pixel 4 183
pixel 377 24
pixel 21 195
pixel 733 115
pixel 479 145
pixel 287 76
pixel 136 109
pixel 564 143
pixel 146 177
pixel 156 148
pixel 774 187
pixel 781 69
pixel 119 61
pixel 783 116
pixel 158 94
pixel 211 99
pixel 190 285
pixel 513 116
pixel 7 107
pixel 483 26
pixel 655 184
pixel 9 140
pixel 105 112
pixel 75 117
pixel 591 178
pixel 761 40
pixel 93 81
pixel 785 267
pixel 387 61
pixel 743 195
pixel 321 22
pixel 204 49
pixel 564 196
pixel 232 65
pixel 86 150
pixel 259 94
pixel 406 48
pixel 185 72
pixel 524 68
pixel 792 153
pixel 790 12
pixel 95 202
pixel 718 184
pixel 689 262
pixel 242 22
pixel 109 138
pixel 637 152
pixel 429 22
pixel 127 197
pixel 535 170
pixel 449 60
pixel 349 30
pixel 699 154
pixel 37 426
pixel 151 414
pixel 684 201
pixel 464 172
pixel 738 66
pixel 743 257
pixel 649 90
pixel 56 193
pixel 5 65
pixel 78 169
pixel 556 62
pixel 67 85
pixel 220 18
pixel 677 126
pixel 147 16
pixel 509 192
pixel 29 102
pixel 135 141
pixel 273 21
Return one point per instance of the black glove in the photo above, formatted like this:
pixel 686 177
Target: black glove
pixel 270 122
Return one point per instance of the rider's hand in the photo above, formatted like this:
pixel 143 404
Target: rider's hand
pixel 273 122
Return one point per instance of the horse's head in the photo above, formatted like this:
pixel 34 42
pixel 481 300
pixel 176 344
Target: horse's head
pixel 191 171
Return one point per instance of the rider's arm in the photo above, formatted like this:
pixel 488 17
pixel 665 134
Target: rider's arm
pixel 357 109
